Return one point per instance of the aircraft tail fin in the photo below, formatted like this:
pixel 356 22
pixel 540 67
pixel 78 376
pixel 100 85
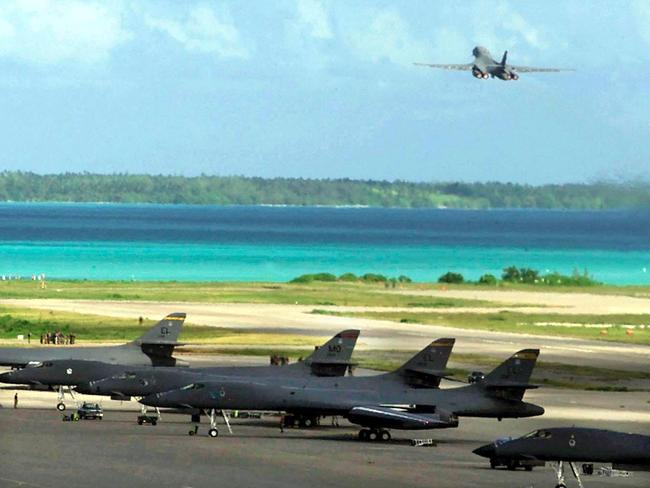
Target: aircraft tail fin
pixel 165 332
pixel 504 59
pixel 427 367
pixel 333 357
pixel 511 378
pixel 159 342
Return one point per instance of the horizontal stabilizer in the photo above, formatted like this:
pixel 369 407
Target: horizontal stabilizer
pixel 386 417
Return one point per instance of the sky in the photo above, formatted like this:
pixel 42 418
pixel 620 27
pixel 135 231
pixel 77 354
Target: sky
pixel 325 89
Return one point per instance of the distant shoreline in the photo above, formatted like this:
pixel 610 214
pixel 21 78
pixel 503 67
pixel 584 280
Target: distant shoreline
pixel 16 186
pixel 296 206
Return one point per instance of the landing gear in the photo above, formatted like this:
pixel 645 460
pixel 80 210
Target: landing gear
pixel 559 471
pixel 60 406
pixel 373 435
pixel 307 422
pixel 213 431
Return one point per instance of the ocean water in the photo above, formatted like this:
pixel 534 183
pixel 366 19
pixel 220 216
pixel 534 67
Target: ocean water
pixel 258 243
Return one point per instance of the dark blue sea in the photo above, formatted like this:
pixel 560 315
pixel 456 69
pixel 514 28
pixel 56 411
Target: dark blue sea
pixel 259 243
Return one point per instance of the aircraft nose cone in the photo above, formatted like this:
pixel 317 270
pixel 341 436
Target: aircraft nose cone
pixel 8 377
pixel 487 451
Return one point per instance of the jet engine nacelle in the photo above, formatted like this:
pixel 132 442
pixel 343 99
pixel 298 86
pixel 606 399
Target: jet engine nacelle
pixel 477 73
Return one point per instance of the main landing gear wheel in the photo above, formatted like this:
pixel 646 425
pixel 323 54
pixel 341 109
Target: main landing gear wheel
pixel 213 433
pixel 60 406
pixel 374 435
pixel 560 486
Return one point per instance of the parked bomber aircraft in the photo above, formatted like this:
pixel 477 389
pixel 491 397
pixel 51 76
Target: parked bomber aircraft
pixel 123 381
pixel 425 370
pixel 398 400
pixel 154 348
pixel 573 445
pixel 485 66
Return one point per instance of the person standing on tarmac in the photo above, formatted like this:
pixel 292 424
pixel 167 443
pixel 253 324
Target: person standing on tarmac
pixel 16 400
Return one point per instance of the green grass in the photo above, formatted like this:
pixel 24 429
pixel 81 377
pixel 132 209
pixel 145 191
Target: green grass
pixel 91 328
pixel 524 323
pixel 352 294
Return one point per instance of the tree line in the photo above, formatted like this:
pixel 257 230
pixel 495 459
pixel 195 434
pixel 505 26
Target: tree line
pixel 22 186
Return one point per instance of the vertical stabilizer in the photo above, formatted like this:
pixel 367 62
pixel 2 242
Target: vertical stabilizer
pixel 427 367
pixel 333 357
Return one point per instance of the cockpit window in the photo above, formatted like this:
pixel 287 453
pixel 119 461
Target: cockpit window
pixel 538 434
pixel 35 364
pixel 193 386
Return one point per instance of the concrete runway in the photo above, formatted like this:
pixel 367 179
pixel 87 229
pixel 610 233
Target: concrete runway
pixel 375 334
pixel 37 449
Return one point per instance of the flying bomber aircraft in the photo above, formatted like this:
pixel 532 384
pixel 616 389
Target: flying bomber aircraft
pixel 402 399
pixel 573 445
pixel 485 66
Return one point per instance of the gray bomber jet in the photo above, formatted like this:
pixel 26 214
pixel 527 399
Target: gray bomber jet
pixel 154 348
pixel 424 370
pixel 398 400
pixel 121 381
pixel 573 445
pixel 485 66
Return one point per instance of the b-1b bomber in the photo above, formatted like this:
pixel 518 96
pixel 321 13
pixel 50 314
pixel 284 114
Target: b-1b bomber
pixel 407 398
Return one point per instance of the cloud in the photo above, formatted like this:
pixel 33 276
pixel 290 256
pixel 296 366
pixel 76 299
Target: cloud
pixel 515 23
pixel 203 30
pixel 388 37
pixel 313 16
pixel 52 31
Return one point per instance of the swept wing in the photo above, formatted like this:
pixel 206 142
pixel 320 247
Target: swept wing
pixel 453 67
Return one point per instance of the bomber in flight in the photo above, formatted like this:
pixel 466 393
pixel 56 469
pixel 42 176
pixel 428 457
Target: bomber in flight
pixel 485 66
pixel 575 445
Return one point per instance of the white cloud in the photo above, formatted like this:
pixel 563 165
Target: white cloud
pixel 515 23
pixel 388 37
pixel 204 31
pixel 51 31
pixel 313 16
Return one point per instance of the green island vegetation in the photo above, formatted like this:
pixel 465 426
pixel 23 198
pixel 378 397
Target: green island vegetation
pixel 352 278
pixel 21 186
pixel 526 276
